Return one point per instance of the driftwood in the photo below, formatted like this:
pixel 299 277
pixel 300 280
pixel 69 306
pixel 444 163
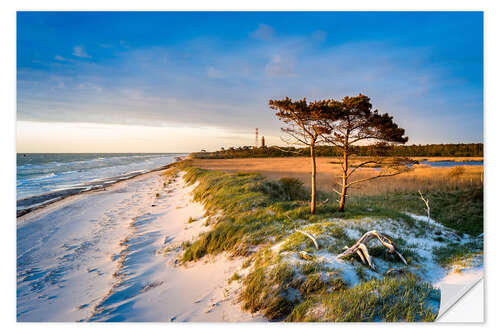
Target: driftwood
pixel 365 256
pixel 428 209
pixel 362 251
pixel 306 234
pixel 310 236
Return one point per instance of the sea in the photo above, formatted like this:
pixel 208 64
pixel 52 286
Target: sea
pixel 45 178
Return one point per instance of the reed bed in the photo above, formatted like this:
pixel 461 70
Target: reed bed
pixel 421 177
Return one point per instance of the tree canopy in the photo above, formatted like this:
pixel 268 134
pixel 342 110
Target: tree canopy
pixel 301 119
pixel 353 120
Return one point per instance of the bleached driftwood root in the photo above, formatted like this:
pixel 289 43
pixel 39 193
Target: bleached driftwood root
pixel 310 236
pixel 365 256
pixel 362 251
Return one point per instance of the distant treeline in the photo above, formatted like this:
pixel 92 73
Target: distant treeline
pixel 445 150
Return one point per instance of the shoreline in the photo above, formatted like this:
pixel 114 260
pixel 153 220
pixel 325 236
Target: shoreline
pixel 56 196
pixel 111 256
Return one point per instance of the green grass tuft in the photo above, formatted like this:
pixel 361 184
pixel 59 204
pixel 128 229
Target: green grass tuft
pixel 390 299
pixel 234 277
pixel 457 254
pixel 460 209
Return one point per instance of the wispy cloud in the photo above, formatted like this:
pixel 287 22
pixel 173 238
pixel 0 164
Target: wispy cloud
pixel 263 32
pixel 79 51
pixel 281 66
pixel 173 91
pixel 215 82
pixel 60 58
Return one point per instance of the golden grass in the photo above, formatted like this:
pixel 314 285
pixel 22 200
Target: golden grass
pixel 423 177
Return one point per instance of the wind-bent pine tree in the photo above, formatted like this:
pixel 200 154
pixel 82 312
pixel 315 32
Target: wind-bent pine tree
pixel 302 128
pixel 352 121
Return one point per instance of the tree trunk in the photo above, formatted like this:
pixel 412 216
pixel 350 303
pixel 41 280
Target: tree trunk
pixel 343 194
pixel 313 180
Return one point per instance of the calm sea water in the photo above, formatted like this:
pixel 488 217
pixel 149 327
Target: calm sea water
pixel 42 178
pixel 450 163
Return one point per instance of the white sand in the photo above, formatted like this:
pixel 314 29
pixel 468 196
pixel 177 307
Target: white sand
pixel 99 256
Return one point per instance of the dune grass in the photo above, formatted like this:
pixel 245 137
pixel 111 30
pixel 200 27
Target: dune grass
pixel 255 210
pixel 275 286
pixel 254 213
pixel 460 256
pixel 234 277
pixel 390 299
pixel 251 215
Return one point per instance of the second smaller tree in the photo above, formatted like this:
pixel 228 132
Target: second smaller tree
pixel 352 121
pixel 302 128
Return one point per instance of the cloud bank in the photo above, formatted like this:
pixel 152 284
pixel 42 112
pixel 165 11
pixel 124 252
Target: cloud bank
pixel 226 83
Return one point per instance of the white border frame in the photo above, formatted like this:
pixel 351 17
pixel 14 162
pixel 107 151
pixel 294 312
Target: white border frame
pixel 491 135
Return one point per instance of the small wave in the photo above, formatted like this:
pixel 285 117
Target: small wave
pixel 48 175
pixel 132 172
pixel 73 175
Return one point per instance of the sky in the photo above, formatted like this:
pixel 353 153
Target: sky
pixel 186 81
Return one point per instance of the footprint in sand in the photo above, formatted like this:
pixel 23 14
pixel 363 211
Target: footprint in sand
pixel 212 307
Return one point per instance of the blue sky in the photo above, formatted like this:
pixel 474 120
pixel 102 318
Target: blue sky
pixel 209 76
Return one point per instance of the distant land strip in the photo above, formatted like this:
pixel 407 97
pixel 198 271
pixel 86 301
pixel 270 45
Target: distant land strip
pixel 429 150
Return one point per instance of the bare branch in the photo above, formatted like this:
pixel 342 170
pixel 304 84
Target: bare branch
pixel 299 137
pixel 310 236
pixel 374 177
pixel 334 190
pixel 332 141
pixel 427 204
pixel 361 165
pixel 363 138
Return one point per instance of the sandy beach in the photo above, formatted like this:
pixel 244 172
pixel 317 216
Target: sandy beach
pixel 103 256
